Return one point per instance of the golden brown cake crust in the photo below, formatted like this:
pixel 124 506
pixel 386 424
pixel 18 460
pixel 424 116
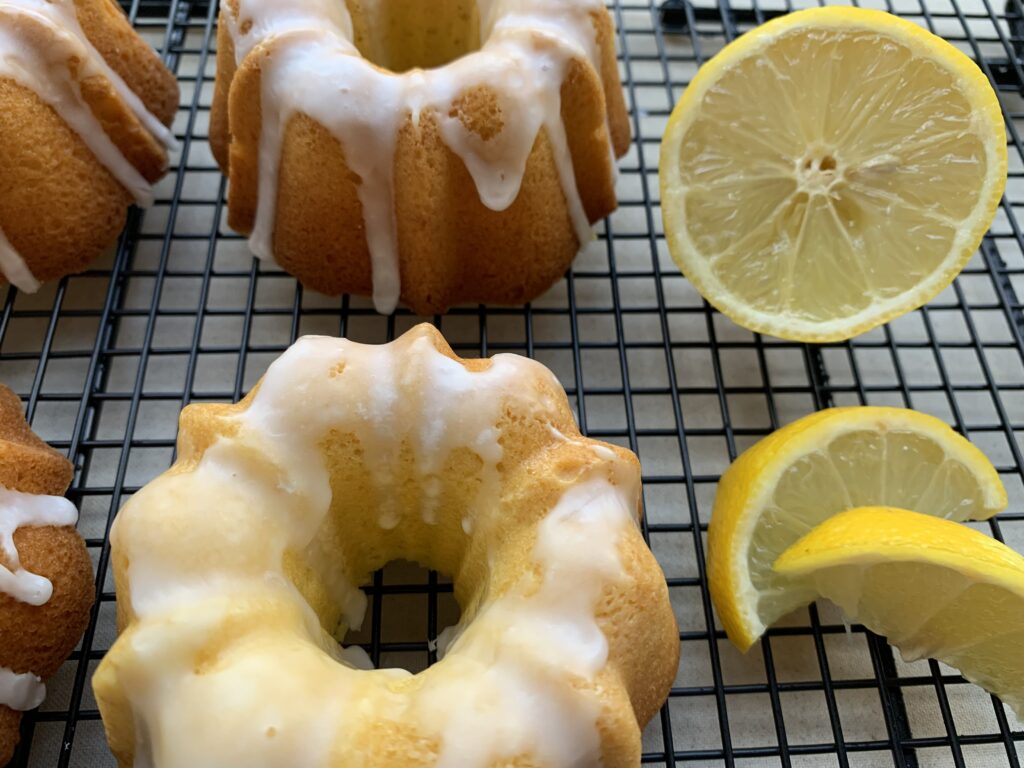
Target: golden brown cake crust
pixel 108 29
pixel 10 721
pixel 27 463
pixel 452 248
pixel 59 206
pixel 37 639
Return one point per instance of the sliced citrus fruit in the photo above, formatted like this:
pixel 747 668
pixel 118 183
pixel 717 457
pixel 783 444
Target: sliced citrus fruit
pixel 830 170
pixel 935 589
pixel 816 467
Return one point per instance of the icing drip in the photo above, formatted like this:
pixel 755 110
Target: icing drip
pixel 295 81
pixel 14 268
pixel 355 657
pixel 44 69
pixel 602 451
pixel 24 691
pixel 444 640
pixel 28 509
pixel 271 18
pixel 495 658
pixel 431 403
pixel 317 71
pixel 20 692
pixel 513 681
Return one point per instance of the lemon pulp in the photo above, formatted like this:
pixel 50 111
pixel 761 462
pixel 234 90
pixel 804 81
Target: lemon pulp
pixel 815 468
pixel 934 588
pixel 830 170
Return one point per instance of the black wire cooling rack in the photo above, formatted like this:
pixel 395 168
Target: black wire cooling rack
pixel 179 313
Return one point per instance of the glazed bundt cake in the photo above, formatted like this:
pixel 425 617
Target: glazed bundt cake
pixel 438 152
pixel 84 105
pixel 237 569
pixel 46 583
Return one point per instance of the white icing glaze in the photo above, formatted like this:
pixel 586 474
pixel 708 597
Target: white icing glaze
pixel 24 691
pixel 412 403
pixel 316 70
pixel 18 510
pixel 444 640
pixel 43 68
pixel 602 451
pixel 355 657
pixel 502 661
pixel 14 268
pixel 507 683
pixel 21 692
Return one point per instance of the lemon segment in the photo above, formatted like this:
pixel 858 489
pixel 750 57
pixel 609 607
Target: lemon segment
pixel 816 467
pixel 934 588
pixel 830 170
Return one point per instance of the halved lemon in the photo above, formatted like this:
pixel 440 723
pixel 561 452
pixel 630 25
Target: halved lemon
pixel 819 466
pixel 830 170
pixel 934 588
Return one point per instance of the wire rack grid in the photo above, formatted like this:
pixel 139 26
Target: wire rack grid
pixel 179 312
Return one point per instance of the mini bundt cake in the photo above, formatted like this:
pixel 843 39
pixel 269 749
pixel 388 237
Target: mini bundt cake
pixel 438 152
pixel 84 105
pixel 237 569
pixel 46 582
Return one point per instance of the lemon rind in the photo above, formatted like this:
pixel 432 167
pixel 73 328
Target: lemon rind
pixel 863 537
pixel 730 533
pixel 857 537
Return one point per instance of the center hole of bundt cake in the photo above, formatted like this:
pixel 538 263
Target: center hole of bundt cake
pixel 411 615
pixel 399 35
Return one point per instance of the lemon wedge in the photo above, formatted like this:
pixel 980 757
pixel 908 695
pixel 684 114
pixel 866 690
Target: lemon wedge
pixel 819 466
pixel 933 588
pixel 829 171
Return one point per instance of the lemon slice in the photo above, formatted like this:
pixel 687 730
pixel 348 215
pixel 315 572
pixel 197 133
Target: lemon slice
pixel 935 589
pixel 816 467
pixel 830 170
